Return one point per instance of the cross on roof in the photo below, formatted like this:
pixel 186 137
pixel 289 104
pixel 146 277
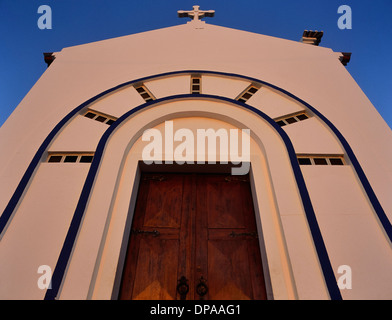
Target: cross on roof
pixel 196 14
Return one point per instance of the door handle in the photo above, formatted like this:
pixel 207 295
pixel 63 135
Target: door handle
pixel 202 288
pixel 183 287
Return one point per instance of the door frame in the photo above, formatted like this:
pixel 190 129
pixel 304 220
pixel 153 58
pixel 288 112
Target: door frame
pixel 104 226
pixel 217 168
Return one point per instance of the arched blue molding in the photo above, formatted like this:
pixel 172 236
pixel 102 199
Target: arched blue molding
pixel 80 209
pixel 71 235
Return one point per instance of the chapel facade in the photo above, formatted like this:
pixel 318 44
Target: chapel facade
pixel 196 162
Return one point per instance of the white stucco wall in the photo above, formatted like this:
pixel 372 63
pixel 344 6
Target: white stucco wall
pixel 38 229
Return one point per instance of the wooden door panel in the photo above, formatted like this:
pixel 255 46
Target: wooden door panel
pixel 228 239
pixel 228 270
pixel 224 203
pixel 150 271
pixel 256 270
pixel 153 282
pixel 197 226
pixel 164 201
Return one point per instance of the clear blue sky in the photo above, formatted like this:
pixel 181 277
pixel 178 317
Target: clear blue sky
pixel 76 22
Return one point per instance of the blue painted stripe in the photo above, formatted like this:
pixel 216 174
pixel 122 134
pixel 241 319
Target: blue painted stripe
pixel 68 244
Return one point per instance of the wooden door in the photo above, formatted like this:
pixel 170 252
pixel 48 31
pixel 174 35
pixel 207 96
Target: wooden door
pixel 196 233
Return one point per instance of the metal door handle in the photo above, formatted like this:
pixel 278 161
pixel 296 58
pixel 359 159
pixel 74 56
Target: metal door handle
pixel 182 287
pixel 202 288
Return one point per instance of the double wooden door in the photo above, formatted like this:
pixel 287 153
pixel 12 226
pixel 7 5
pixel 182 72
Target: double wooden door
pixel 193 237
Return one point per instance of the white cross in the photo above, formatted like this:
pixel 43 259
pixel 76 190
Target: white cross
pixel 196 14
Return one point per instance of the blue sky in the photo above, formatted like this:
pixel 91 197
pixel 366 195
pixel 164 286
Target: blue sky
pixel 76 22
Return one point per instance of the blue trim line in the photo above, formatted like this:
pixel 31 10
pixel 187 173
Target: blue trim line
pixel 72 233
